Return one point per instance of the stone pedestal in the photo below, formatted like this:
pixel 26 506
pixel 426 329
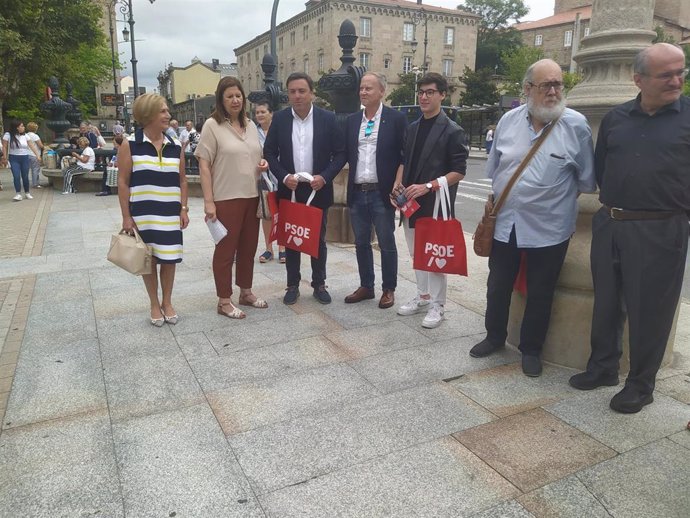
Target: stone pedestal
pixel 619 30
pixel 339 229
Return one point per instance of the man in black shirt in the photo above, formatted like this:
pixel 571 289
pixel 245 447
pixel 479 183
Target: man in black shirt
pixel 434 151
pixel 640 235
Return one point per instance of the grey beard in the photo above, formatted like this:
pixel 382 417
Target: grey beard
pixel 543 113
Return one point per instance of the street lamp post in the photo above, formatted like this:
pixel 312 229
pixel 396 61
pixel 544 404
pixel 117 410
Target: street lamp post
pixel 419 17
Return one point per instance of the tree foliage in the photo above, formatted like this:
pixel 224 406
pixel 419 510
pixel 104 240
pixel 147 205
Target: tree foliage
pixel 495 35
pixel 42 38
pixel 480 87
pixel 405 94
pixel 515 64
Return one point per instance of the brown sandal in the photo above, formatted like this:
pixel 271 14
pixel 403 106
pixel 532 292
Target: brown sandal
pixel 258 303
pixel 235 313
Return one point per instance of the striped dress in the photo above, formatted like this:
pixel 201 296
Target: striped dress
pixel 154 199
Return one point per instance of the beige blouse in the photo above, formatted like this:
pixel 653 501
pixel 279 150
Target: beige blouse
pixel 234 159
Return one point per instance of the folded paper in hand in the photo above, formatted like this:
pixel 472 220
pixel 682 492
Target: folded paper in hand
pixel 304 177
pixel 217 229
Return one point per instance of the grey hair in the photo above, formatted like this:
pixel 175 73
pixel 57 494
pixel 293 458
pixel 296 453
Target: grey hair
pixel 641 61
pixel 379 77
pixel 529 74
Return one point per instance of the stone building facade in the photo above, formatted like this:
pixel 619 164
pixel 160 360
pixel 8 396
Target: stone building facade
pixel 560 34
pixel 198 79
pixel 391 41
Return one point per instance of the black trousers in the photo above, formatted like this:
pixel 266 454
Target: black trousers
pixel 637 270
pixel 543 268
pixel 293 261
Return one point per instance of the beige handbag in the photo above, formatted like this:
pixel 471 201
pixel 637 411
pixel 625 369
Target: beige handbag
pixel 130 253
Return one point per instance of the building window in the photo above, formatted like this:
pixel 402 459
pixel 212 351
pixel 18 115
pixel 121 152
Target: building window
pixel 320 62
pixel 365 27
pixel 407 64
pixel 449 36
pixel 256 54
pixel 364 59
pixel 249 58
pixel 306 65
pixel 568 39
pixel 586 31
pixel 408 31
pixel 538 40
pixel 241 61
pixel 292 38
pixel 319 26
pixel 386 62
pixel 292 65
pixel 447 67
pixel 265 49
pixel 280 43
pixel 305 32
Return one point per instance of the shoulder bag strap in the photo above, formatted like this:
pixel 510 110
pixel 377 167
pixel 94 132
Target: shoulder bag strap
pixel 523 165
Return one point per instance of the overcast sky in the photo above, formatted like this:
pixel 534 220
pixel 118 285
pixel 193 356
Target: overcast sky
pixel 174 31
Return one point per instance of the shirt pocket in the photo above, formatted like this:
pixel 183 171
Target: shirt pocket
pixel 555 167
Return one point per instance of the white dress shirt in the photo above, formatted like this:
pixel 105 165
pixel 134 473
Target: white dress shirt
pixel 366 157
pixel 303 142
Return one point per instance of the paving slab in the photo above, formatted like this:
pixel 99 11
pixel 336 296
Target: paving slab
pixel 62 287
pixel 591 414
pixel 510 509
pixel 265 362
pixel 533 448
pixel 416 365
pixel 65 467
pixel 179 464
pixel 147 341
pixel 249 405
pixel 677 387
pixel 195 345
pixel 50 323
pixel 315 445
pixel 682 438
pixel 565 498
pixel 652 480
pixel 505 390
pixel 376 339
pixel 137 387
pixel 440 478
pixel 56 381
pixel 458 322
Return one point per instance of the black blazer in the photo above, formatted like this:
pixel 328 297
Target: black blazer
pixel 389 150
pixel 329 154
pixel 444 151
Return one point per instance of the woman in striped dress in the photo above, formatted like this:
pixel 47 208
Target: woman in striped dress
pixel 152 188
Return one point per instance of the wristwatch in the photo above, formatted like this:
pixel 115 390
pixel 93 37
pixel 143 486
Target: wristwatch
pixel 429 186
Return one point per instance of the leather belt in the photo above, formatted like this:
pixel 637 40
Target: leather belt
pixel 632 215
pixel 364 187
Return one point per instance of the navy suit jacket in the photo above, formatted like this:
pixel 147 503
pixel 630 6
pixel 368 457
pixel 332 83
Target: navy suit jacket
pixel 389 150
pixel 329 154
pixel 444 151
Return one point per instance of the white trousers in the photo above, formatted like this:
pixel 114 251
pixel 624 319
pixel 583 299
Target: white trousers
pixel 428 283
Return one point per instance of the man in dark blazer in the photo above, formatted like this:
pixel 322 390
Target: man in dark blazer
pixel 434 152
pixel 375 138
pixel 304 138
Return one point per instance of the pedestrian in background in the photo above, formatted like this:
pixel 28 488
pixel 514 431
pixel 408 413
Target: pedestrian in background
pixel 34 163
pixel 85 162
pixel 230 161
pixel 489 138
pixel 16 148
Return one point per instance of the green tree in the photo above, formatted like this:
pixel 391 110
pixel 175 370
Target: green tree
pixel 480 87
pixel 661 36
pixel 405 94
pixel 495 35
pixel 40 38
pixel 570 79
pixel 515 64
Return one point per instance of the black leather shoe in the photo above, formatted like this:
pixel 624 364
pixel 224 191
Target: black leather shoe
pixel 291 295
pixel 322 295
pixel 589 380
pixel 531 365
pixel 630 401
pixel 485 348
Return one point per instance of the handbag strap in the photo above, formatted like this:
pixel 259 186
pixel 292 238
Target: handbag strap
pixel 523 165
pixel 442 199
pixel 309 200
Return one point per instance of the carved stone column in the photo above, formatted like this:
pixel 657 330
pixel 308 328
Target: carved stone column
pixel 619 30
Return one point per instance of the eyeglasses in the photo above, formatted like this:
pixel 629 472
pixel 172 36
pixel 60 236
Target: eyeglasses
pixel 427 93
pixel 546 87
pixel 369 128
pixel 667 76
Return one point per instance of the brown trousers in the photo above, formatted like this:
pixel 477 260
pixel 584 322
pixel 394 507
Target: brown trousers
pixel 239 217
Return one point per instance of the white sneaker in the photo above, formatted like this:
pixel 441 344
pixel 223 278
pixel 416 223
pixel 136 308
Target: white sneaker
pixel 65 192
pixel 416 305
pixel 434 317
pixel 17 197
pixel 28 196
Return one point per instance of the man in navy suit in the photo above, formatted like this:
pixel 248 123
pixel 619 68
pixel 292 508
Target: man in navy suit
pixel 375 139
pixel 304 138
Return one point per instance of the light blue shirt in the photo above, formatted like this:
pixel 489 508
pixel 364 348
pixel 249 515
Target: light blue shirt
pixel 542 205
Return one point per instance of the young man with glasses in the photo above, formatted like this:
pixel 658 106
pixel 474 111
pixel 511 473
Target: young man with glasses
pixel 539 214
pixel 374 138
pixel 640 235
pixel 434 147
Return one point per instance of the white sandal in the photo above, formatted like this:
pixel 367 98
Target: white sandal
pixel 235 313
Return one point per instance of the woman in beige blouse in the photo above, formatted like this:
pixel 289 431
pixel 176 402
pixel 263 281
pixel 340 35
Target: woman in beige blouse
pixel 230 161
